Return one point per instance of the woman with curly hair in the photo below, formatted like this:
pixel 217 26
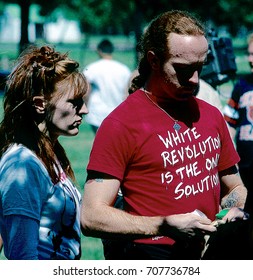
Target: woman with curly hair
pixel 39 202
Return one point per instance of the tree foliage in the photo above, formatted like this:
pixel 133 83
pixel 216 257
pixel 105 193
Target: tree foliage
pixel 121 16
pixel 46 8
pixel 96 16
pixel 117 15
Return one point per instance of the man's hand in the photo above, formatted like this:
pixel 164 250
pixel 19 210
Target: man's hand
pixel 182 226
pixel 235 213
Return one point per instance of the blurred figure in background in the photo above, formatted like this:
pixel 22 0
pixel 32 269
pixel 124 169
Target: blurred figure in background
pixel 1 243
pixel 108 79
pixel 207 93
pixel 39 203
pixel 239 115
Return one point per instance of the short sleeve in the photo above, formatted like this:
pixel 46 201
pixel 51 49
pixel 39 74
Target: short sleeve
pixel 24 185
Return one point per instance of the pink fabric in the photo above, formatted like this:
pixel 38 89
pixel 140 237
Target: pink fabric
pixel 164 172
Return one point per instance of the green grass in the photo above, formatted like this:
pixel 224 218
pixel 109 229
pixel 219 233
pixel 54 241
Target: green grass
pixel 124 51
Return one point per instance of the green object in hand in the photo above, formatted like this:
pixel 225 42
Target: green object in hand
pixel 221 214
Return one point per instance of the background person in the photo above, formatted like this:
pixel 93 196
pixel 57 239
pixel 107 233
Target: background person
pixel 108 79
pixel 1 243
pixel 238 114
pixel 207 93
pixel 171 193
pixel 39 204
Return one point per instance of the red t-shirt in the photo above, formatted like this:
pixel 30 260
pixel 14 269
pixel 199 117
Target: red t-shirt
pixel 162 171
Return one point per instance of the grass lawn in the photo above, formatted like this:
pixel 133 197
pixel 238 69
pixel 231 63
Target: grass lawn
pixel 84 54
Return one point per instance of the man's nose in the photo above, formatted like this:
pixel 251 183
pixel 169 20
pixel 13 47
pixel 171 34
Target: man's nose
pixel 194 78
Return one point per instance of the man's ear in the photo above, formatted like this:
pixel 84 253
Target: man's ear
pixel 153 60
pixel 39 104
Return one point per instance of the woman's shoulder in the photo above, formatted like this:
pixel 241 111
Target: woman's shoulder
pixel 18 155
pixel 18 152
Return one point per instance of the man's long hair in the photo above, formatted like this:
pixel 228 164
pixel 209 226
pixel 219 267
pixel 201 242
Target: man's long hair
pixel 155 38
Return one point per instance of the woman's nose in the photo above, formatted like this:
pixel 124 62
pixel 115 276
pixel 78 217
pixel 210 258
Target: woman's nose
pixel 83 110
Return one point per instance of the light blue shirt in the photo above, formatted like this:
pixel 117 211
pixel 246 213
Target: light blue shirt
pixel 27 191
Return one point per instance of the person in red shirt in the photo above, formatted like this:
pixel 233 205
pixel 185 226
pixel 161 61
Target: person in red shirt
pixel 168 152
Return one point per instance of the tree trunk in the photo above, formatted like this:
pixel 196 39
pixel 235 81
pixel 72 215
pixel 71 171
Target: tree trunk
pixel 138 19
pixel 24 39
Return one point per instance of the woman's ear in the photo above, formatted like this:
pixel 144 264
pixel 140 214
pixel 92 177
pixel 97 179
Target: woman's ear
pixel 153 60
pixel 39 104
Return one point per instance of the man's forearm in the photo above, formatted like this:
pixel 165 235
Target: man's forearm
pixel 235 198
pixel 111 222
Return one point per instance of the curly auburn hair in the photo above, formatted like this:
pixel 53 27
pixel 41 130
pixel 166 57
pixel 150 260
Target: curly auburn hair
pixel 37 73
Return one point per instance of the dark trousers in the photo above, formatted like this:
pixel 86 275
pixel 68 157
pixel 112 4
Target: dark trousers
pixel 231 241
pixel 247 178
pixel 127 250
